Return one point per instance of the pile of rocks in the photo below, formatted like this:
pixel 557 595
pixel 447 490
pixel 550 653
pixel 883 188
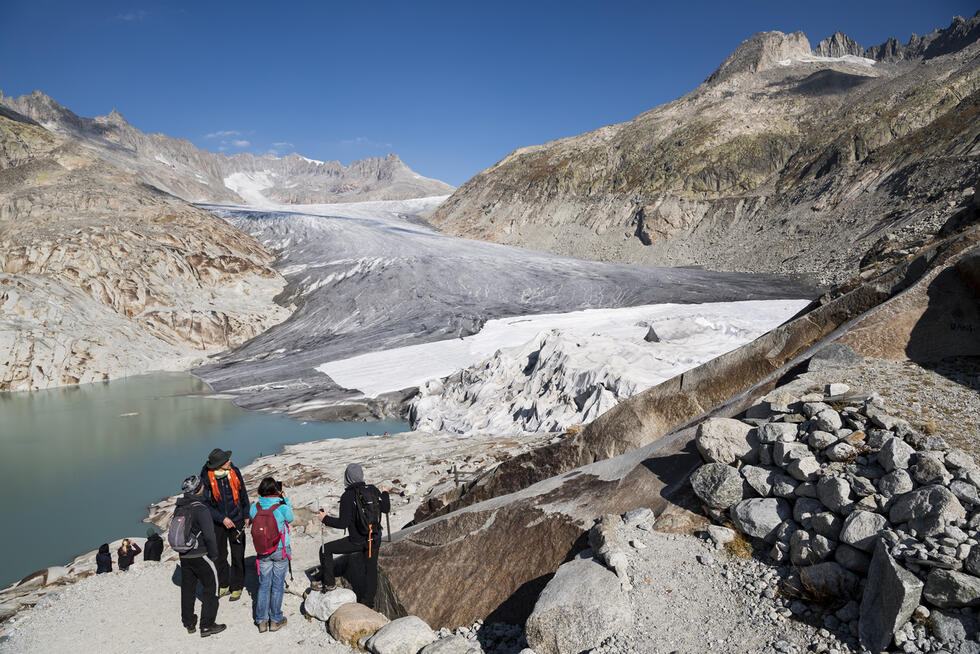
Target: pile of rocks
pixel 861 504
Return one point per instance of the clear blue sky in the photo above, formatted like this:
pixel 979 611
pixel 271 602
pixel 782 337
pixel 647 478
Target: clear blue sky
pixel 450 87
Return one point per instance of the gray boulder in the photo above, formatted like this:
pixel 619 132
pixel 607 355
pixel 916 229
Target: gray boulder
pixel 805 509
pixel 882 419
pixel 957 458
pixel 456 644
pixel 890 596
pixel 952 628
pixel 972 562
pixel 821 440
pixel 775 432
pixel 805 550
pixel 927 468
pixel 402 636
pixel 759 479
pixel 949 589
pixel 862 529
pixel 322 605
pixel 928 510
pixel 760 517
pixel 804 469
pixel 894 454
pixel 726 440
pixel 827 420
pixel 834 492
pixel 721 535
pixel 852 559
pixel 828 579
pixel 895 482
pixel 581 606
pixel 965 492
pixel 841 452
pixel 785 453
pixel 827 524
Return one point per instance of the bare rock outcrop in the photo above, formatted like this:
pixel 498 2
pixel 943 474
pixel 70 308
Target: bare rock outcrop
pixel 101 276
pixel 818 155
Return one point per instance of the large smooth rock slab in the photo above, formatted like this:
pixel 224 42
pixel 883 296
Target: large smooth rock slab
pixel 402 636
pixel 890 596
pixel 579 608
pixel 726 440
pixel 949 589
pixel 761 517
pixel 718 485
pixel 351 622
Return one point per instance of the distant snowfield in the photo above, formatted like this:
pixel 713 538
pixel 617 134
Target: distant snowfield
pixel 817 59
pixel 691 334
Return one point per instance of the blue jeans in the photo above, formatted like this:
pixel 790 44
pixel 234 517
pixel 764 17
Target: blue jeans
pixel 272 586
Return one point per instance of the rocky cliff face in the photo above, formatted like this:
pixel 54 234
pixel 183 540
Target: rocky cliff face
pixel 786 159
pixel 104 276
pixel 177 167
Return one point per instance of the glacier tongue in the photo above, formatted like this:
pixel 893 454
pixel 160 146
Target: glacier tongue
pixel 565 377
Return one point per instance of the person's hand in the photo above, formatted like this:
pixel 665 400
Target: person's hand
pixel 228 523
pixel 322 514
pixel 385 489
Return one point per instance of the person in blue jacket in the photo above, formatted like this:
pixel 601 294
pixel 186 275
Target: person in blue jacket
pixel 272 565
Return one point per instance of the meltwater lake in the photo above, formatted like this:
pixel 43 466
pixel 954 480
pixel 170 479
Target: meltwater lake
pixel 79 465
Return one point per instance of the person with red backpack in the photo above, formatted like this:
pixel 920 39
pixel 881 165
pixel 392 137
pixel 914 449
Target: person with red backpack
pixel 361 506
pixel 271 515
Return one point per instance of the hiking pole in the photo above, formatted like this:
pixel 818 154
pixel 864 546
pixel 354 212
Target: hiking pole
pixel 388 520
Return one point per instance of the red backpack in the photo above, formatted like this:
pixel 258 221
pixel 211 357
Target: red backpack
pixel 265 530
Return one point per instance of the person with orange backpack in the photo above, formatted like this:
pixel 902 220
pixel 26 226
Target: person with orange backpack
pixel 271 515
pixel 361 507
pixel 225 496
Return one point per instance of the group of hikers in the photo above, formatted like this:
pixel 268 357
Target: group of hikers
pixel 128 551
pixel 208 531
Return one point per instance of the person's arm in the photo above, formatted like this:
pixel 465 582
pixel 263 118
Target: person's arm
pixel 252 511
pixel 346 511
pixel 243 496
pixel 287 510
pixel 207 534
pixel 385 502
pixel 135 549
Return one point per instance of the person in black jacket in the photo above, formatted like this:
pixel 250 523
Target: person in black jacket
pixel 103 560
pixel 355 541
pixel 126 554
pixel 197 565
pixel 153 549
pixel 225 495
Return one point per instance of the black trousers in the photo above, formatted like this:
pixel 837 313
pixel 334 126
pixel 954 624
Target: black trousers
pixel 193 570
pixel 234 540
pixel 362 571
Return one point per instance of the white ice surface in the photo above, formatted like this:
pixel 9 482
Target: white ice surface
pixel 816 59
pixel 250 186
pixel 720 326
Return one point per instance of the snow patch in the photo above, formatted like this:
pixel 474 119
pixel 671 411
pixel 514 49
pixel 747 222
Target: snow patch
pixel 817 59
pixel 249 187
pixel 312 161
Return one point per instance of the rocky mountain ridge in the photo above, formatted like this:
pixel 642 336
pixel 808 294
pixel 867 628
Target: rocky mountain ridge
pixel 818 154
pixel 176 166
pixel 103 276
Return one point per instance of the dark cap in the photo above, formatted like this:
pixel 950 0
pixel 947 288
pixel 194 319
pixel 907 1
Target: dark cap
pixel 191 484
pixel 218 458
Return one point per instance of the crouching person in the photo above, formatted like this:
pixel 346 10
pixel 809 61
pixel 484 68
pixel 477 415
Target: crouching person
pixel 271 515
pixel 361 507
pixel 191 535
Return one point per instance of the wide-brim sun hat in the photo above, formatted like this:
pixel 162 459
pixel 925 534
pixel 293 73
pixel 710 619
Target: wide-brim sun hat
pixel 218 458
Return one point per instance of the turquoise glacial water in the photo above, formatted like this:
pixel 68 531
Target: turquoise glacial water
pixel 80 465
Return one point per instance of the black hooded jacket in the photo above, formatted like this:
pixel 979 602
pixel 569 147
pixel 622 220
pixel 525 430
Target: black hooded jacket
pixel 103 560
pixel 153 549
pixel 202 526
pixel 347 508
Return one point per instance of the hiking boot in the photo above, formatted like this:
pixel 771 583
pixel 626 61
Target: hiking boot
pixel 213 629
pixel 235 596
pixel 315 585
pixel 276 626
pixel 327 589
pixel 263 626
pixel 222 592
pixel 190 630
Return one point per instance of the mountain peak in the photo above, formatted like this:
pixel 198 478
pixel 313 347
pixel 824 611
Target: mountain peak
pixel 761 51
pixel 838 45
